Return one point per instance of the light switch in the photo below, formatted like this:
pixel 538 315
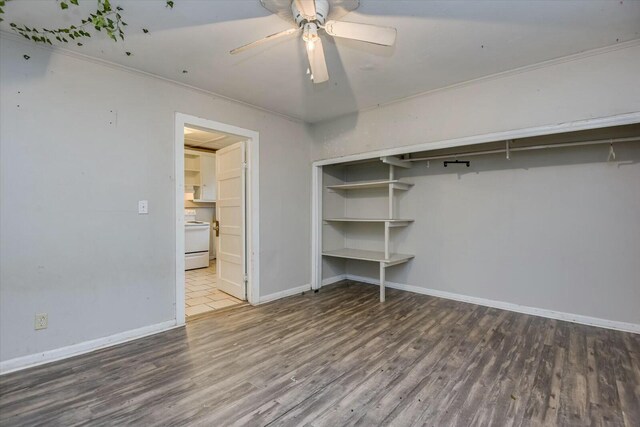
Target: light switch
pixel 143 207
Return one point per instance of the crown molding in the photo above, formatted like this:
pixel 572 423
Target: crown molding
pixel 544 64
pixel 81 56
pixel 526 68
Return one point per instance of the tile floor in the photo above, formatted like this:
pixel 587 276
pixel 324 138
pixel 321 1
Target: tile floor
pixel 202 294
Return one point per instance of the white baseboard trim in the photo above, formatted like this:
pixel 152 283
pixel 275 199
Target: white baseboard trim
pixel 282 294
pixel 541 312
pixel 49 356
pixel 334 279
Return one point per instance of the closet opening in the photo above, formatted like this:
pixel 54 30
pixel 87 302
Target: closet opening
pixel 389 220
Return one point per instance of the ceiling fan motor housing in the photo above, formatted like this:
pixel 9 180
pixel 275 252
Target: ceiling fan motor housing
pixel 322 11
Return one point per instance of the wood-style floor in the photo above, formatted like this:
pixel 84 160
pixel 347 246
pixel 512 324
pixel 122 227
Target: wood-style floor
pixel 339 357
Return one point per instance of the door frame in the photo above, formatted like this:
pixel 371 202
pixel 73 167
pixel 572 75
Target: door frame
pixel 252 203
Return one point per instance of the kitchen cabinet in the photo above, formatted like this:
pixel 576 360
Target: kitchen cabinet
pixel 200 175
pixel 208 177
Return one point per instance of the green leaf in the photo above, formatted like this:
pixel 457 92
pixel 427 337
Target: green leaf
pixel 64 5
pixel 79 44
pixel 128 53
pixel 144 30
pixel 169 4
pixel 73 2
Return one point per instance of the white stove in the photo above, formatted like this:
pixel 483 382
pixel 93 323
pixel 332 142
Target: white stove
pixel 196 243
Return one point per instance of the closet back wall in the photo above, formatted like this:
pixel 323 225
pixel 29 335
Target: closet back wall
pixel 553 229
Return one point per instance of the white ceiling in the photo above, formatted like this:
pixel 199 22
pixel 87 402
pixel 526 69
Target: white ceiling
pixel 439 43
pixel 198 138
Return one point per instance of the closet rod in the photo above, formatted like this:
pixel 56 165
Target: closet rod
pixel 531 147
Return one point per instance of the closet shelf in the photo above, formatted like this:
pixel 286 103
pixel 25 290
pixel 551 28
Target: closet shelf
pixel 395 184
pixel 391 222
pixel 364 255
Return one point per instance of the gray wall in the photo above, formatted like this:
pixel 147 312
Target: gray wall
pixel 574 89
pixel 81 143
pixel 556 229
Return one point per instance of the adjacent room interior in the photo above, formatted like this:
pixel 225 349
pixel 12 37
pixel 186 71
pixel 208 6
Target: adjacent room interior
pixel 203 294
pixel 320 213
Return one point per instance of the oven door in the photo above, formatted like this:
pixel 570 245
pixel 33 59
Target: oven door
pixel 196 238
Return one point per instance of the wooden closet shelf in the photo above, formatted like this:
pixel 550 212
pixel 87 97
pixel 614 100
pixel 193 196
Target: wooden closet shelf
pixel 396 184
pixel 365 255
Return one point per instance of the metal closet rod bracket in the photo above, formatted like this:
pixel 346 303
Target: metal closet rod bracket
pixel 466 162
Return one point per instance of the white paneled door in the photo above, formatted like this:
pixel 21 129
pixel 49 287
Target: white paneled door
pixel 231 215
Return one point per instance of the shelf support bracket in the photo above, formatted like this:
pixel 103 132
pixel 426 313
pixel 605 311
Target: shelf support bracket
pixel 612 153
pixel 387 252
pixel 395 161
pixel 382 279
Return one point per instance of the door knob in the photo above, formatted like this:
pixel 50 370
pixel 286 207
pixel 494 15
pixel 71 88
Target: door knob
pixel 216 226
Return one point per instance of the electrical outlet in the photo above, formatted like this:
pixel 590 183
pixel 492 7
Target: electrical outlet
pixel 42 321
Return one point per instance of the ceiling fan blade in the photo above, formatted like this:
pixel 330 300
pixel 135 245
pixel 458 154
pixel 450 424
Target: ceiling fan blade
pixel 317 63
pixel 307 8
pixel 385 36
pixel 266 39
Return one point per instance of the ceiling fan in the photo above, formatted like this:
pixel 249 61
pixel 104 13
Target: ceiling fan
pixel 310 18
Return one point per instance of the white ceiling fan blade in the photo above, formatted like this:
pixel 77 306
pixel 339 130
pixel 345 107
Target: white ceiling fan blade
pixel 266 39
pixel 307 8
pixel 385 36
pixel 317 63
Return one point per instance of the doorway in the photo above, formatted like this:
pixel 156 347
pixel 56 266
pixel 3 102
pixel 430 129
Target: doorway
pixel 216 170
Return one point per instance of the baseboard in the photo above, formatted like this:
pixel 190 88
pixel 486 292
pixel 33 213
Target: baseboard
pixel 541 312
pixel 49 356
pixel 334 279
pixel 283 294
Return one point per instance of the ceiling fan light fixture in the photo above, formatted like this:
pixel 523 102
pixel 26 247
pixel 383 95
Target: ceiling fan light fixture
pixel 309 16
pixel 310 34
